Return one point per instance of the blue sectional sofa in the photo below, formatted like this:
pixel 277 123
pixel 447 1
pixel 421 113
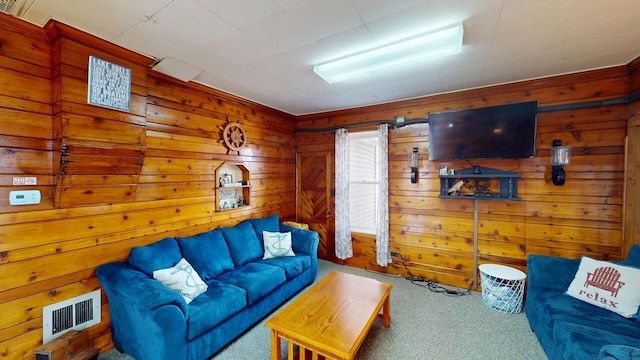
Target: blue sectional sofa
pixel 149 321
pixel 568 328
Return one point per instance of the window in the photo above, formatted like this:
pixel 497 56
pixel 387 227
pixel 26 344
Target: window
pixel 363 182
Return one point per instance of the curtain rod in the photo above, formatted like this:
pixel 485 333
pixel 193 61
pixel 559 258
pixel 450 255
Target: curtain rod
pixel 541 109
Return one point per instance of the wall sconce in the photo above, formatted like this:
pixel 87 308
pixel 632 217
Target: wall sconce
pixel 560 156
pixel 415 160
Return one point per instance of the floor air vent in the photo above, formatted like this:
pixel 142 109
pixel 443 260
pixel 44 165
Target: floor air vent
pixel 74 314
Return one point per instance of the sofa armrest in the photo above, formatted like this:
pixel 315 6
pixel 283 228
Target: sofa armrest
pixel 303 241
pixel 124 281
pixel 148 320
pixel 551 272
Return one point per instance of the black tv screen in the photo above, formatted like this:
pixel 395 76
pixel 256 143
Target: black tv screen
pixel 495 132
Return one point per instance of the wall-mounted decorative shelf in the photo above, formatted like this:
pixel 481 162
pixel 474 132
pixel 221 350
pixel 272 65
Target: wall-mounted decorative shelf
pixel 234 186
pixel 479 183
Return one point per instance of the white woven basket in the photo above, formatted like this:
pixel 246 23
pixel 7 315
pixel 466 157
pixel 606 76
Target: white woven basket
pixel 502 287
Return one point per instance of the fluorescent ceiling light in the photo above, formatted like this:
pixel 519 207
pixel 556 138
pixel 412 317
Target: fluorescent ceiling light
pixel 446 41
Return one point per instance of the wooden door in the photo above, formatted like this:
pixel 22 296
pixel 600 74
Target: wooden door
pixel 314 201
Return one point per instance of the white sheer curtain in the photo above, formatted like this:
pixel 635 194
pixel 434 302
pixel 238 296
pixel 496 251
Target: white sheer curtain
pixel 383 254
pixel 344 249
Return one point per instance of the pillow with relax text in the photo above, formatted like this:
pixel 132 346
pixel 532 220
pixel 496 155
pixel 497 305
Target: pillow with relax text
pixel 610 286
pixel 183 279
pixel 277 244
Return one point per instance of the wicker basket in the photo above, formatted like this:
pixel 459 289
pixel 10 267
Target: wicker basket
pixel 502 287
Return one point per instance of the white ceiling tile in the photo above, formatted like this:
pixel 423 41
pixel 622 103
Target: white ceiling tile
pixel 275 67
pixel 304 80
pixel 468 10
pixel 325 18
pixel 370 10
pixel 103 18
pixel 408 22
pixel 243 76
pixel 380 92
pixel 513 5
pixel 581 11
pixel 456 75
pixel 270 87
pixel 507 67
pixel 276 34
pixel 530 20
pixel 528 44
pixel 616 43
pixel 157 40
pixel 264 50
pixel 242 13
pixel 337 46
pixel 196 23
pixel 211 59
pixel 615 58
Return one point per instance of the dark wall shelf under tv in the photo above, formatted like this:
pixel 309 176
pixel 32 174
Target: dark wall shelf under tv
pixel 507 188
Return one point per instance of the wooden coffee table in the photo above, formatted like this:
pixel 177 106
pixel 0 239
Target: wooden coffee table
pixel 332 318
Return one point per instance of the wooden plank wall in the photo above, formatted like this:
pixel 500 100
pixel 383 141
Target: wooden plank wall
pixel 435 236
pixel 632 191
pixel 111 180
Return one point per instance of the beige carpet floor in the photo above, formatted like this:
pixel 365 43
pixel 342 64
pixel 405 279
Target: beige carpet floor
pixel 424 325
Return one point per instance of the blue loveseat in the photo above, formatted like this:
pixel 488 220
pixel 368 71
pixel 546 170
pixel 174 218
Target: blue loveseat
pixel 149 321
pixel 568 328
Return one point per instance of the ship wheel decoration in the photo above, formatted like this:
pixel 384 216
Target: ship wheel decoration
pixel 234 136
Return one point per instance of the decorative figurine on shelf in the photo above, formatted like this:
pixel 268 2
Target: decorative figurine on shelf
pixel 455 189
pixel 240 201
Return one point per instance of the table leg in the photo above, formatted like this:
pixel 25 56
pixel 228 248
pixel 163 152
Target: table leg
pixel 386 314
pixel 276 351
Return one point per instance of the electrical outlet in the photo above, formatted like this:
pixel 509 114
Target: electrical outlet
pixel 395 254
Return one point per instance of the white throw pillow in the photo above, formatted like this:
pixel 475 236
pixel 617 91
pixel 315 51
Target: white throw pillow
pixel 610 286
pixel 183 279
pixel 277 244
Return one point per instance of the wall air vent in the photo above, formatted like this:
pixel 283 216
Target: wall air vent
pixel 11 7
pixel 77 313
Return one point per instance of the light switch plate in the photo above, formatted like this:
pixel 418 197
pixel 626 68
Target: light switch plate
pixel 24 197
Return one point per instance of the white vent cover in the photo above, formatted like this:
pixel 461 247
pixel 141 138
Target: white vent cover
pixel 77 313
pixel 11 7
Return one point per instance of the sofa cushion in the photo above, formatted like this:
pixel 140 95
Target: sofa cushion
pixel 607 285
pixel 207 252
pixel 258 279
pixel 576 341
pixel 183 279
pixel 277 244
pixel 619 352
pixel 159 255
pixel 243 243
pixel 292 265
pixel 269 223
pixel 554 306
pixel 217 304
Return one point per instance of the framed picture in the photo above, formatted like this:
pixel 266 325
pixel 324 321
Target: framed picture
pixel 226 179
pixel 228 194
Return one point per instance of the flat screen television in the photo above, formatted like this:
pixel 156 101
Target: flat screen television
pixel 495 132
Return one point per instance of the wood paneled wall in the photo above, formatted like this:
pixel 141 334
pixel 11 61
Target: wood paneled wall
pixel 436 236
pixel 111 180
pixel 632 170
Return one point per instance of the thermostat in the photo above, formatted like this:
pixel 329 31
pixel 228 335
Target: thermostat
pixel 24 197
